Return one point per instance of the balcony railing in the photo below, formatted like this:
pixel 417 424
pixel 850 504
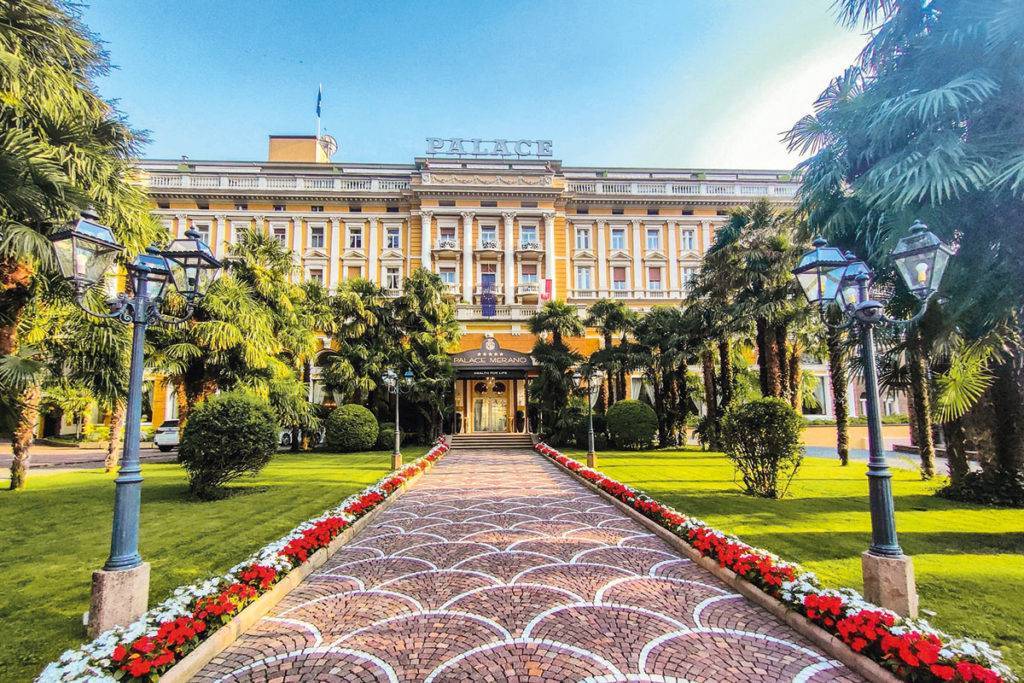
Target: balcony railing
pixel 275 182
pixel 446 244
pixel 488 245
pixel 530 245
pixel 676 188
pixel 527 289
pixel 521 312
pixel 644 294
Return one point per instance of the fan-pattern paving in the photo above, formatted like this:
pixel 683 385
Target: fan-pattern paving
pixel 498 567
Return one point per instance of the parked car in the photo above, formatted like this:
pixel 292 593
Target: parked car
pixel 166 436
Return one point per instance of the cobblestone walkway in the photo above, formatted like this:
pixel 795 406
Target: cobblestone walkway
pixel 499 567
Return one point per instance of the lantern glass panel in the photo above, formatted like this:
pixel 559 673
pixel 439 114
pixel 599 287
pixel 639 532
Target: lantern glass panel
pixel 849 288
pixel 820 271
pixel 157 274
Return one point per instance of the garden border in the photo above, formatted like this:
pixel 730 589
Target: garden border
pixel 226 635
pixel 832 646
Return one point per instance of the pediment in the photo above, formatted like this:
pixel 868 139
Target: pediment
pixel 655 256
pixel 391 254
pixel 315 254
pixel 354 255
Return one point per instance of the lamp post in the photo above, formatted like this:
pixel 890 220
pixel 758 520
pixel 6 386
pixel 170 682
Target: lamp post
pixel 397 387
pixel 828 276
pixel 85 250
pixel 580 377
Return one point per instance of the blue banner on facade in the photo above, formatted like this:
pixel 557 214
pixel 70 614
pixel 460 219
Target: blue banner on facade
pixel 488 301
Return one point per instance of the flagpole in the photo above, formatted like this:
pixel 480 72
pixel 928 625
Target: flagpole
pixel 320 94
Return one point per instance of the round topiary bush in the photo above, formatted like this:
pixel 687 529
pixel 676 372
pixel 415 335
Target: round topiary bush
pixel 226 436
pixel 631 424
pixel 351 428
pixel 762 438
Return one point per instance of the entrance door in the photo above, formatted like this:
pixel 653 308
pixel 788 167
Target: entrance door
pixel 489 415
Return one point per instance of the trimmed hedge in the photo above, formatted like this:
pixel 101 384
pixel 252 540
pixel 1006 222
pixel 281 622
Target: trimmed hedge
pixel 226 436
pixel 351 428
pixel 762 438
pixel 631 424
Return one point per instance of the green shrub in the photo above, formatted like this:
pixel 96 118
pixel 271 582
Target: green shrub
pixel 351 428
pixel 226 436
pixel 386 436
pixel 631 425
pixel 97 432
pixel 762 438
pixel 580 433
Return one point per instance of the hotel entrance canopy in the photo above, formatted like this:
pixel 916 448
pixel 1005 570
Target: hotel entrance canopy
pixel 490 360
pixel 491 389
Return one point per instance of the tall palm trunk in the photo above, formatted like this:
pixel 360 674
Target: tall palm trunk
pixel 710 398
pixel 181 396
pixel 24 434
pixel 113 458
pixel 1008 409
pixel 725 371
pixel 838 380
pixel 795 378
pixel 659 407
pixel 762 356
pixel 922 405
pixel 956 449
pixel 15 279
pixel 783 389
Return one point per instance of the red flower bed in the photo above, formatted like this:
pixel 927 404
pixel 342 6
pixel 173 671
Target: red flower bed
pixel 910 653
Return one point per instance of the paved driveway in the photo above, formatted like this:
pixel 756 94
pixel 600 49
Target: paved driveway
pixel 499 567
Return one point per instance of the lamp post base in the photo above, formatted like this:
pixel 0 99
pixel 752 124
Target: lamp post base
pixel 119 597
pixel 591 459
pixel 396 461
pixel 889 582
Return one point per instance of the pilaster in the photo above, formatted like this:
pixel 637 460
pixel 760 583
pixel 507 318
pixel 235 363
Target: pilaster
pixel 601 227
pixel 425 219
pixel 549 250
pixel 510 289
pixel 371 251
pixel 638 268
pixel 467 256
pixel 673 257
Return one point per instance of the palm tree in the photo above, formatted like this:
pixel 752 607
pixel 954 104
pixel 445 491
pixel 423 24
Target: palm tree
pixel 611 318
pixel 558 319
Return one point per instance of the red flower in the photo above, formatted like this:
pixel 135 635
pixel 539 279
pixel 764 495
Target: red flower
pixel 145 645
pixel 945 673
pixel 120 652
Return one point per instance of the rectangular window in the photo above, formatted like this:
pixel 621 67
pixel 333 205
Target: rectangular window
pixel 619 277
pixel 316 237
pixel 281 235
pixel 354 272
pixel 317 208
pixel 654 278
pixel 392 278
pixel 583 279
pixel 355 209
pixel 528 205
pixel 317 275
pixel 489 268
pixel 355 238
pixel 529 273
pixel 446 202
pixel 689 273
pixel 488 204
pixel 689 242
pixel 582 211
pixel 447 232
pixel 392 209
pixel 204 231
pixel 582 238
pixel 393 238
pixel 241 206
pixel 489 236
pixel 652 212
pixel 447 276
pixel 528 235
pixel 278 207
pixel 619 238
pixel 617 212
pixel 653 239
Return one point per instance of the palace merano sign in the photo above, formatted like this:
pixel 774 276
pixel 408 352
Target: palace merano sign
pixel 475 147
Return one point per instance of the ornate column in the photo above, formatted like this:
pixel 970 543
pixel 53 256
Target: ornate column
pixel 182 225
pixel 297 248
pixel 334 254
pixel 638 268
pixel 673 257
pixel 510 264
pixel 425 219
pixel 549 250
pixel 217 226
pixel 371 251
pixel 467 256
pixel 602 257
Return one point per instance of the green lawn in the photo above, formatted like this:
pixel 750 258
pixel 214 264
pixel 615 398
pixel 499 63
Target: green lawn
pixel 58 532
pixel 969 559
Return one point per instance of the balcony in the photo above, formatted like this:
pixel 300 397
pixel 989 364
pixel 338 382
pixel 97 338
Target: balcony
pixel 488 245
pixel 259 181
pixel 446 246
pixel 392 292
pixel 529 248
pixel 453 289
pixel 528 291
pixel 514 312
pixel 629 294
pixel 497 291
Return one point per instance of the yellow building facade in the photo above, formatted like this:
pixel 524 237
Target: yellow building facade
pixel 504 234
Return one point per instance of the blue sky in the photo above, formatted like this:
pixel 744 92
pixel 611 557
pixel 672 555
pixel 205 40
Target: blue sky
pixel 687 83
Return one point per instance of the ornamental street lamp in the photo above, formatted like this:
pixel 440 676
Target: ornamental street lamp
pixel 921 260
pixel 587 376
pixel 397 388
pixel 85 250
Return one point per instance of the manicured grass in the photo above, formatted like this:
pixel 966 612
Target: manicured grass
pixel 58 532
pixel 969 559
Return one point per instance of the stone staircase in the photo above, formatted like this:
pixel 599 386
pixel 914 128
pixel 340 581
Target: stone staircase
pixel 488 442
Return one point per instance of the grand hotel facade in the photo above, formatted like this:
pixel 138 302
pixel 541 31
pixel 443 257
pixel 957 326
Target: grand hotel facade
pixel 504 235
